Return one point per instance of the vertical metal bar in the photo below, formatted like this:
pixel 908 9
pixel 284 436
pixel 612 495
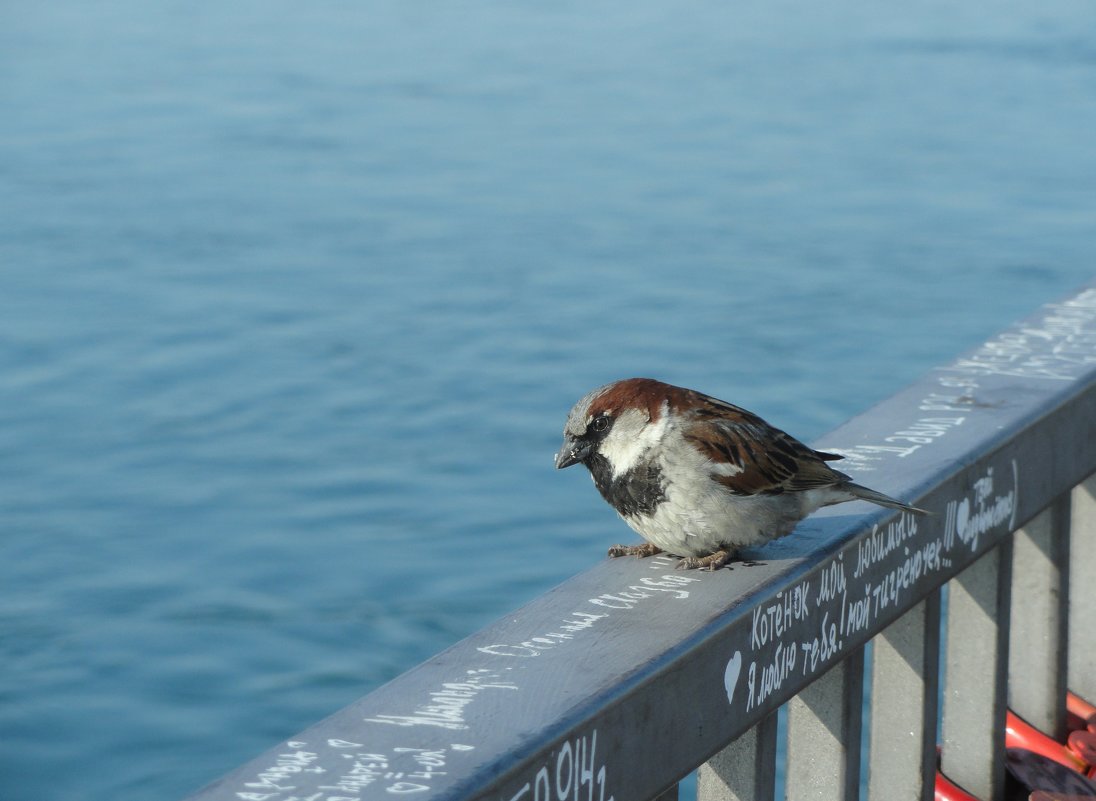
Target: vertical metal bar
pixel 905 683
pixel 1040 603
pixel 1082 588
pixel 743 771
pixel 975 692
pixel 824 724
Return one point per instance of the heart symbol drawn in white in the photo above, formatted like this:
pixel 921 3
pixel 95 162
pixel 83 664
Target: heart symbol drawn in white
pixel 730 676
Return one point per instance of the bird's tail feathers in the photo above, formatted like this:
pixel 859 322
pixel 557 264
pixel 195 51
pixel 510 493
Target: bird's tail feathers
pixel 865 494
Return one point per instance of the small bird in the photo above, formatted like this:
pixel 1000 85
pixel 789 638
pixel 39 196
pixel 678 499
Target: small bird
pixel 698 477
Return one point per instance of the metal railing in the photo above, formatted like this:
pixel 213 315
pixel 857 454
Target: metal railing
pixel 621 681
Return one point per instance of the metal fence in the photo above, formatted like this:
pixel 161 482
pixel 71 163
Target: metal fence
pixel 621 681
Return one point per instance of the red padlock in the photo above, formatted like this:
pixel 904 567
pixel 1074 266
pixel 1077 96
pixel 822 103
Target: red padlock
pixel 1036 772
pixel 1020 734
pixel 1083 744
pixel 1080 714
pixel 946 790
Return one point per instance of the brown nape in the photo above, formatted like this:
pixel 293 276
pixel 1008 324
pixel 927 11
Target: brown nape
pixel 644 394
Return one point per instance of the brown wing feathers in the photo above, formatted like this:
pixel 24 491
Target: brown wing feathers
pixel 770 461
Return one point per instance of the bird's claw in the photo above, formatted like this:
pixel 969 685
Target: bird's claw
pixel 712 561
pixel 642 551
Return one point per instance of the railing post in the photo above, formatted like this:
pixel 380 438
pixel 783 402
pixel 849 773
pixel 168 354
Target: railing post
pixel 824 725
pixel 1040 606
pixel 1082 593
pixel 905 683
pixel 976 692
pixel 743 771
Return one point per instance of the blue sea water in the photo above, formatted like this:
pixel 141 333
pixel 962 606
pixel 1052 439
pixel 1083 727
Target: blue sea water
pixel 294 299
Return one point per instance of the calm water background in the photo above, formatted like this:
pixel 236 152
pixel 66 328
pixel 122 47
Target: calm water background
pixel 295 299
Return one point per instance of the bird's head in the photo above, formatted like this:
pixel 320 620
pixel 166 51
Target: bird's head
pixel 618 422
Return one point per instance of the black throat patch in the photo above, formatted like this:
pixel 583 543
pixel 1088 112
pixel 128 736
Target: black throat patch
pixel 639 491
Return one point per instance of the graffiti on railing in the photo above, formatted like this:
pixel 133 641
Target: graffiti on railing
pixel 1060 348
pixel 445 708
pixel 648 588
pixel 572 772
pixel 982 510
pixel 957 394
pixel 893 563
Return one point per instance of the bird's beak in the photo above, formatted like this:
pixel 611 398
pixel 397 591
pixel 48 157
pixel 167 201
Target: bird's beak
pixel 572 452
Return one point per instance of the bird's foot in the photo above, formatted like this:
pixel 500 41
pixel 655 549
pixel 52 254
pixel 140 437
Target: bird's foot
pixel 642 551
pixel 712 561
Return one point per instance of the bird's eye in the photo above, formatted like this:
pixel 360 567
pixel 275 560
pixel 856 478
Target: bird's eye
pixel 600 424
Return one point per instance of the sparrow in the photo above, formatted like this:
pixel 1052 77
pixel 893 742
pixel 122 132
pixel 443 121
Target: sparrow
pixel 698 477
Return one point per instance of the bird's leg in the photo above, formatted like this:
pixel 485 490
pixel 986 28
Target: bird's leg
pixel 642 551
pixel 712 561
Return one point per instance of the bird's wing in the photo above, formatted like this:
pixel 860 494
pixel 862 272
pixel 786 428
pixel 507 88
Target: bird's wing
pixel 751 457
